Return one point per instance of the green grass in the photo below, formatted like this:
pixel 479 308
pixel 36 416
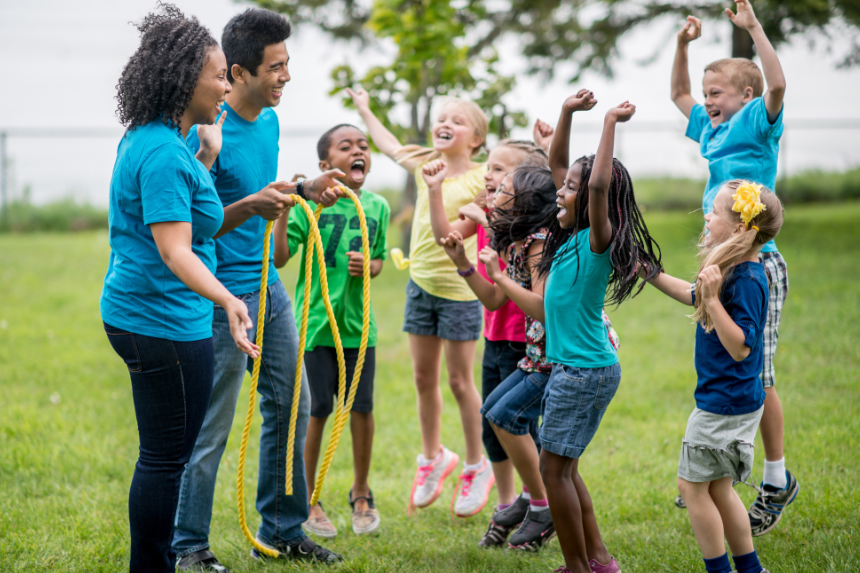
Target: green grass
pixel 68 438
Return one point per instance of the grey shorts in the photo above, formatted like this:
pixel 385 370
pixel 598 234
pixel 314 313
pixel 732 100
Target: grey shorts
pixel 777 276
pixel 717 446
pixel 430 315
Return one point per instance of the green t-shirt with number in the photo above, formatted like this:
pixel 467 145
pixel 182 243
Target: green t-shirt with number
pixel 341 233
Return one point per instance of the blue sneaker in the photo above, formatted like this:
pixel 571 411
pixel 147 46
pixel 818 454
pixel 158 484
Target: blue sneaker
pixel 767 509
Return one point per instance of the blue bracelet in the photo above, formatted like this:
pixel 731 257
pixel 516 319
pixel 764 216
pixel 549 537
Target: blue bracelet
pixel 468 273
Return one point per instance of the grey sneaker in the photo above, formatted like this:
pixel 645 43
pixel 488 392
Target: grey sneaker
pixel 513 515
pixel 203 560
pixel 535 531
pixel 305 550
pixel 680 503
pixel 767 509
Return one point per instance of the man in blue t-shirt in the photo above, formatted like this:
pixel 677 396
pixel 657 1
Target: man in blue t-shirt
pixel 254 43
pixel 738 130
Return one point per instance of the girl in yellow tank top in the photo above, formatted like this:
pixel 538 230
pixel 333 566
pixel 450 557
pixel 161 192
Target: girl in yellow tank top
pixel 442 313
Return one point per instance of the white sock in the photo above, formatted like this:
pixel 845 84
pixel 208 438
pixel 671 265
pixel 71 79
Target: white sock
pixel 774 474
pixel 422 461
pixel 526 495
pixel 473 467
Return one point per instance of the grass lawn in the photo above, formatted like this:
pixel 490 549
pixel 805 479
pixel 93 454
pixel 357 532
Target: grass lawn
pixel 68 438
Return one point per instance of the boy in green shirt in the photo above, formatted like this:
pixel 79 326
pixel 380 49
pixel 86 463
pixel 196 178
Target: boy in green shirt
pixel 344 147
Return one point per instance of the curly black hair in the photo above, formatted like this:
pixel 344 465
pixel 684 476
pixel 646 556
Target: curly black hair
pixel 159 79
pixel 531 209
pixel 325 140
pixel 631 244
pixel 246 36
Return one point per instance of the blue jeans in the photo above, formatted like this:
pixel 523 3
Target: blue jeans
pixel 515 404
pixel 170 383
pixel 499 361
pixel 282 515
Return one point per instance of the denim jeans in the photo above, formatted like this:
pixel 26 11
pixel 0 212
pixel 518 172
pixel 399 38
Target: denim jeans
pixel 515 404
pixel 282 515
pixel 499 361
pixel 170 383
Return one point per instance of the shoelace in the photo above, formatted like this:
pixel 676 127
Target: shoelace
pixel 465 480
pixel 420 477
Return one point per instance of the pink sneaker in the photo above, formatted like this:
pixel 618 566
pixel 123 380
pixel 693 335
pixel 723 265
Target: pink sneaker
pixel 429 479
pixel 474 490
pixel 611 567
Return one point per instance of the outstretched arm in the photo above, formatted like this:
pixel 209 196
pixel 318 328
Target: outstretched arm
pixel 745 18
pixel 559 149
pixel 490 295
pixel 529 301
pixel 600 234
pixel 681 92
pixel 673 287
pixel 384 140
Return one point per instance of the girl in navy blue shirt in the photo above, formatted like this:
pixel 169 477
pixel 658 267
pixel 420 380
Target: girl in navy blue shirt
pixel 730 297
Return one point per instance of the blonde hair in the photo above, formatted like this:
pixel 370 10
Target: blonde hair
pixel 474 115
pixel 741 73
pixel 740 244
pixel 529 153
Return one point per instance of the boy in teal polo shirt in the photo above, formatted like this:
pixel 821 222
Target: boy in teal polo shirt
pixel 738 130
pixel 343 147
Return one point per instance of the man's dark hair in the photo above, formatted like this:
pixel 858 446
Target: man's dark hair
pixel 159 79
pixel 246 36
pixel 325 140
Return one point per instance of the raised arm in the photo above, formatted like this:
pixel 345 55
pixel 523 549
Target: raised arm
pixel 434 175
pixel 559 149
pixel 745 18
pixel 173 240
pixel 681 92
pixel 490 295
pixel 529 301
pixel 601 176
pixel 384 140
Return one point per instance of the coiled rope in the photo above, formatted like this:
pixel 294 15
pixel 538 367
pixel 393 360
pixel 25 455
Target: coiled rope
pixel 342 410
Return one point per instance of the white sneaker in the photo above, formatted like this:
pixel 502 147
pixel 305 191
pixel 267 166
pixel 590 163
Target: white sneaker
pixel 474 489
pixel 429 479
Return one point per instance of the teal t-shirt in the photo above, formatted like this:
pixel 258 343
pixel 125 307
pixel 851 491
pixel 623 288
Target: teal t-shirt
pixel 248 162
pixel 745 147
pixel 573 300
pixel 340 232
pixel 157 179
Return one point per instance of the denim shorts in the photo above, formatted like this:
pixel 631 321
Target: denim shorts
pixel 431 315
pixel 574 402
pixel 516 402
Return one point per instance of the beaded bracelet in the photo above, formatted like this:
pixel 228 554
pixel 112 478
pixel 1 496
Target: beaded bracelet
pixel 468 273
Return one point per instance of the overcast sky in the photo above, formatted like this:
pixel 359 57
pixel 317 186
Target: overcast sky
pixel 62 59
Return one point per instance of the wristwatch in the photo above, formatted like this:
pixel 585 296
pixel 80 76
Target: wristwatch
pixel 300 188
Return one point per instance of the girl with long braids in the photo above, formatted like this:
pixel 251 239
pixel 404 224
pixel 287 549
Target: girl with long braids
pixel 158 292
pixel 730 296
pixel 596 244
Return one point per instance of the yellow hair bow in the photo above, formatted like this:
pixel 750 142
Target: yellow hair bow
pixel 748 201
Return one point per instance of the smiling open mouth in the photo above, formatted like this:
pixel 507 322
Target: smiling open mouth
pixel 445 135
pixel 357 170
pixel 278 92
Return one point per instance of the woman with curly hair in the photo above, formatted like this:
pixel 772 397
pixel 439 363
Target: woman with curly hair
pixel 158 292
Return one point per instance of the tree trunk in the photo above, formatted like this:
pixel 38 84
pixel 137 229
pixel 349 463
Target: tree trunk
pixel 742 44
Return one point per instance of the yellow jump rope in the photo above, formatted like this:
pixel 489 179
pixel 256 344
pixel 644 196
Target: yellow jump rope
pixel 343 409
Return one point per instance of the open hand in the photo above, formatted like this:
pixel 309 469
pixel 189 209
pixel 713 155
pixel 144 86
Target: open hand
pixel 325 189
pixel 582 101
pixel 453 245
pixel 434 174
pixel 474 213
pixel 490 259
pixel 745 18
pixel 360 98
pixel 240 323
pixel 710 279
pixel 623 112
pixel 692 30
pixel 543 134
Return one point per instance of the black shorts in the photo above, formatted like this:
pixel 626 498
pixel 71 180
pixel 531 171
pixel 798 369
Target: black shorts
pixel 321 365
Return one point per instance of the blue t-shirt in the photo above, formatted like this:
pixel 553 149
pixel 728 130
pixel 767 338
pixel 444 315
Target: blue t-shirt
pixel 744 147
pixel 248 162
pixel 725 386
pixel 573 302
pixel 157 179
